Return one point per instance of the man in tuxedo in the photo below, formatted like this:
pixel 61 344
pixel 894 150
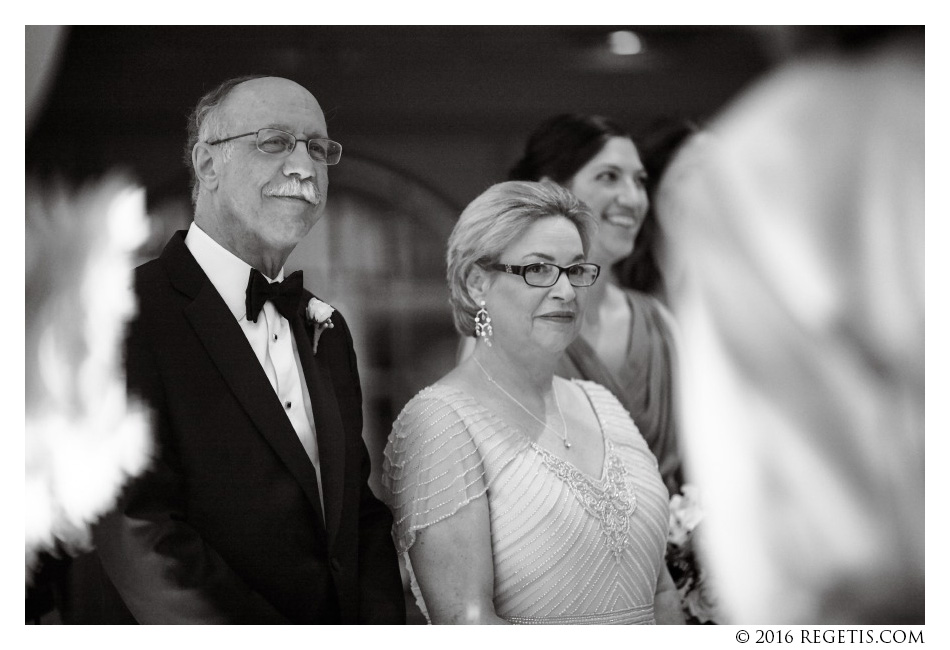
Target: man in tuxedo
pixel 256 508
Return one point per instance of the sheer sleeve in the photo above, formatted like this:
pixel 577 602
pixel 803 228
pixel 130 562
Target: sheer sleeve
pixel 431 465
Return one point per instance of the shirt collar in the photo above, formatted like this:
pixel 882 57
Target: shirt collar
pixel 228 273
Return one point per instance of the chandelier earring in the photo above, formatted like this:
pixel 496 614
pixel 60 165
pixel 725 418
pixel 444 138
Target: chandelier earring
pixel 483 324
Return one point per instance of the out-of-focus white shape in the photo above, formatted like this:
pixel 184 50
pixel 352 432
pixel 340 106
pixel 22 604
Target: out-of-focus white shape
pixel 624 43
pixel 83 438
pixel 795 259
pixel 686 513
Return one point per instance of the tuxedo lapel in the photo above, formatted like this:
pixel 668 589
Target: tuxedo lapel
pixel 228 349
pixel 328 424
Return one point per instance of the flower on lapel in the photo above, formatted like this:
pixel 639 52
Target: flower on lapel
pixel 318 313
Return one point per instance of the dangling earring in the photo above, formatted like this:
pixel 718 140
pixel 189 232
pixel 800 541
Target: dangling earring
pixel 483 324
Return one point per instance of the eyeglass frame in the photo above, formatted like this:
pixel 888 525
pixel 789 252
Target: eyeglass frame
pixel 515 269
pixel 288 151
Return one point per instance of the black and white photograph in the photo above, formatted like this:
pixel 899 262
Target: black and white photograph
pixel 477 324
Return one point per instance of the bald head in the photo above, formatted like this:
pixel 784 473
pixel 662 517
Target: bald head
pixel 258 203
pixel 264 102
pixel 207 121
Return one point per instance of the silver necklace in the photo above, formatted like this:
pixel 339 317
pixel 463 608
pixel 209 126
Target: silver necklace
pixel 562 435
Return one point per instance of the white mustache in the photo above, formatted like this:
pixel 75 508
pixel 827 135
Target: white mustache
pixel 295 188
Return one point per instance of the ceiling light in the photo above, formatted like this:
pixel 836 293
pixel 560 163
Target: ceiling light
pixel 624 43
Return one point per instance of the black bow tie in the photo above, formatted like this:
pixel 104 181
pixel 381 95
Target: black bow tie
pixel 285 295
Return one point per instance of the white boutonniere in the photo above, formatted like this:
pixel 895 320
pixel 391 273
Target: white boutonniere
pixel 318 313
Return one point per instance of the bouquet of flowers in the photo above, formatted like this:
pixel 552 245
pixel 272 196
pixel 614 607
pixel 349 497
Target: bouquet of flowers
pixel 700 605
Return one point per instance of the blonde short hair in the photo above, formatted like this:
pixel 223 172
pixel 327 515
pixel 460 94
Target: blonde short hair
pixel 497 217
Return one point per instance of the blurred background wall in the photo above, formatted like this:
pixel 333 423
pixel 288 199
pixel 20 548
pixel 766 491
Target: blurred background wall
pixel 428 118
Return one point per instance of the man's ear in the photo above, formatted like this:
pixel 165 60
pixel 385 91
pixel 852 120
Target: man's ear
pixel 477 283
pixel 204 164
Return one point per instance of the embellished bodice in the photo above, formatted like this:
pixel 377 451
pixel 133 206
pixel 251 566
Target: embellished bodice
pixel 608 500
pixel 566 547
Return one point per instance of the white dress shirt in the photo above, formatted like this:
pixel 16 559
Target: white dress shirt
pixel 271 337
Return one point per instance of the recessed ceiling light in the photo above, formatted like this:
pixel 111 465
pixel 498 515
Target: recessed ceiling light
pixel 624 43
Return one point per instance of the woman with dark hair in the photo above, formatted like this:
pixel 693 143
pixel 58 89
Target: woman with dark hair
pixel 626 341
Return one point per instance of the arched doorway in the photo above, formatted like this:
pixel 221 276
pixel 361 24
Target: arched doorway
pixel 378 255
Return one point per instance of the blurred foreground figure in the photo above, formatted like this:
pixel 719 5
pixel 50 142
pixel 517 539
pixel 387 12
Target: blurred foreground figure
pixel 794 260
pixel 83 437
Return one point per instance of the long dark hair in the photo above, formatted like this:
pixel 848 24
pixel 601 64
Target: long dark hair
pixel 557 150
pixel 640 271
pixel 563 144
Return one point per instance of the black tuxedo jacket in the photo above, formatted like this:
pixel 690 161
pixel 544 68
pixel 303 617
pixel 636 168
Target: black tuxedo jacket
pixel 226 526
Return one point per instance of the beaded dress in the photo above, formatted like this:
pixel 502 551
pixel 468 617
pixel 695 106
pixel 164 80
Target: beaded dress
pixel 567 548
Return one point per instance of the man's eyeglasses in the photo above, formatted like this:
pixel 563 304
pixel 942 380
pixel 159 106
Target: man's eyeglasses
pixel 281 143
pixel 542 274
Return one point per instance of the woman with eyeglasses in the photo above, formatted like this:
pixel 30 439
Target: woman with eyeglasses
pixel 626 342
pixel 519 496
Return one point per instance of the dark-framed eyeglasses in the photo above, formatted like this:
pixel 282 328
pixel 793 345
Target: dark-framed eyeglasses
pixel 544 274
pixel 280 143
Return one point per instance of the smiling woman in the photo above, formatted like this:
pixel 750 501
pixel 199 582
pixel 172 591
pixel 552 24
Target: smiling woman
pixel 503 478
